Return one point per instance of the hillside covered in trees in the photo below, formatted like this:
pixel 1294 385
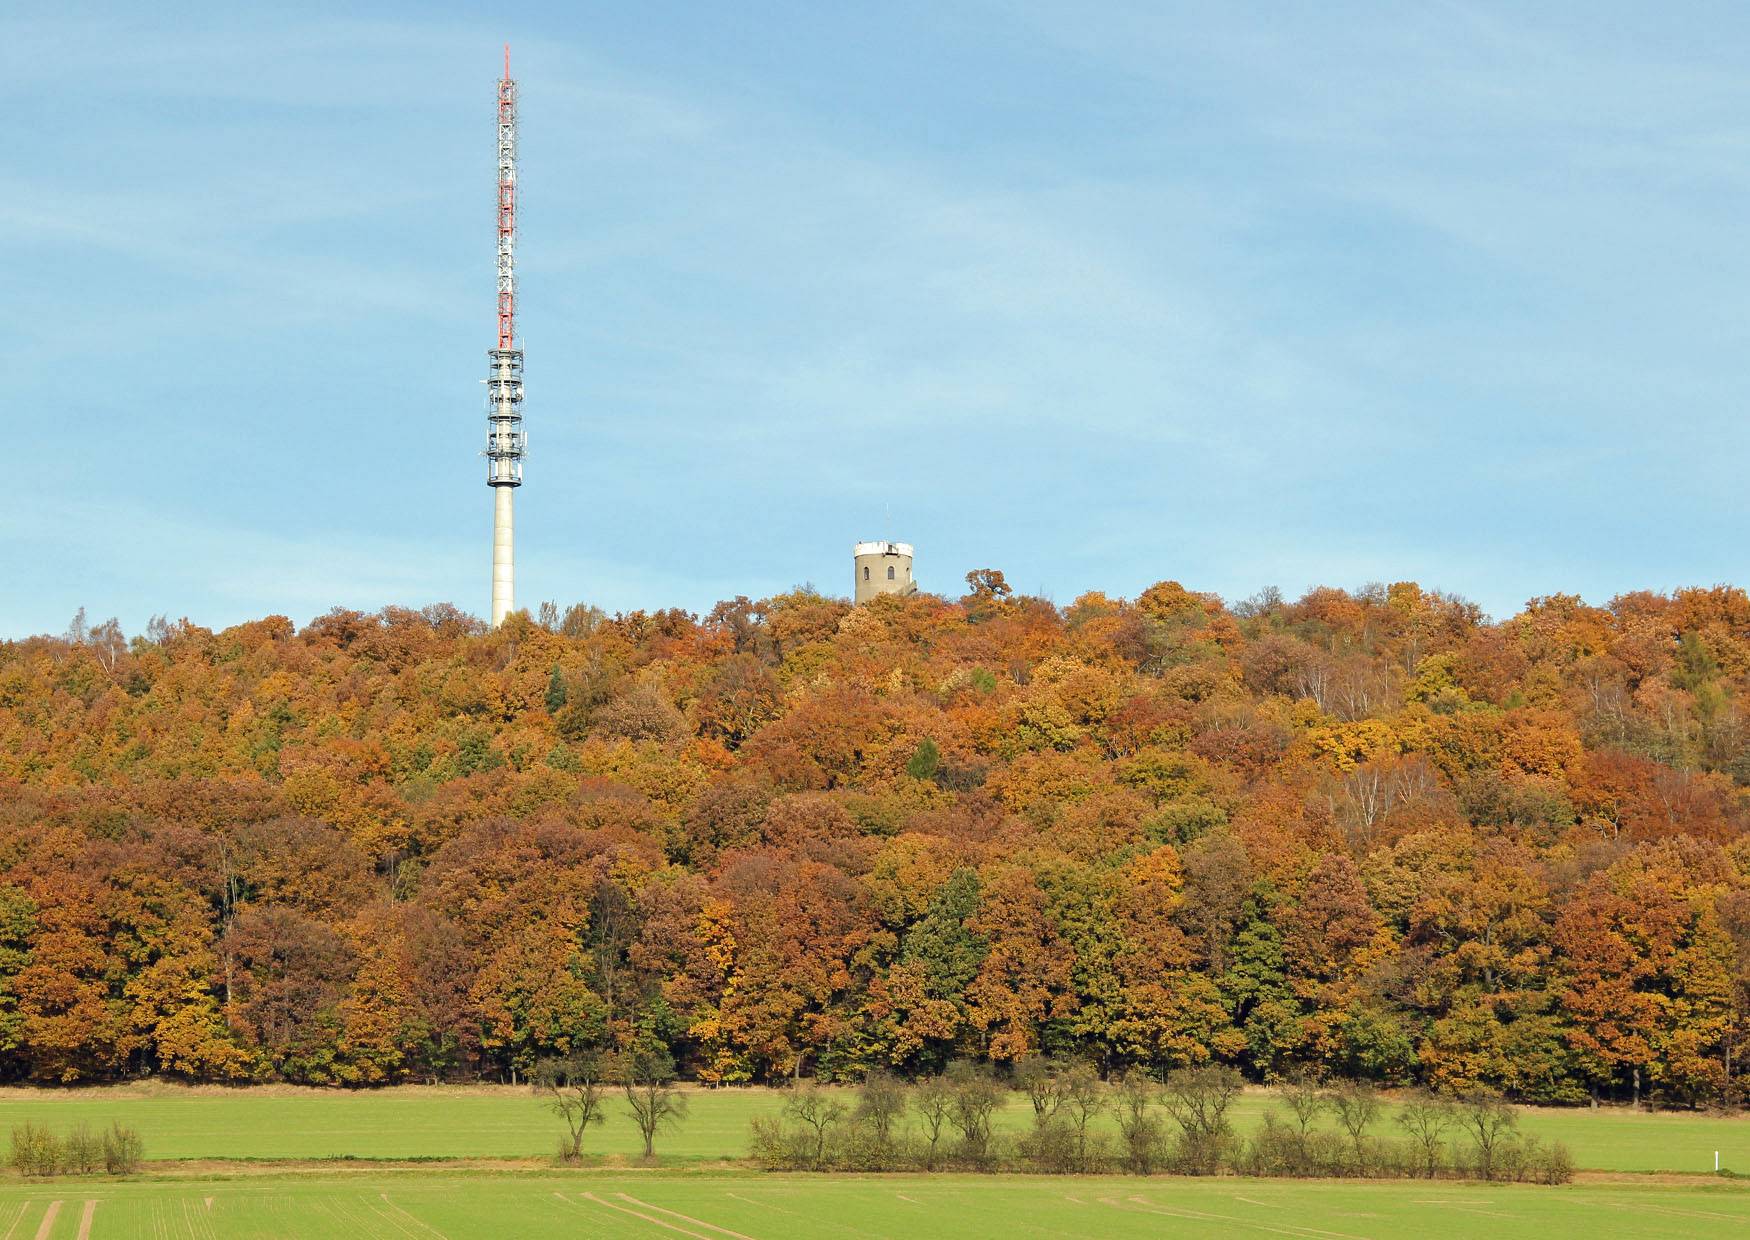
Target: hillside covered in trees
pixel 1362 834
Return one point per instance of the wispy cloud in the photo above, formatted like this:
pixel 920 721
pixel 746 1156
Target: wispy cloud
pixel 1198 293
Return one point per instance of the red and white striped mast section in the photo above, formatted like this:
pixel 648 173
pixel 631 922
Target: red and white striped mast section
pixel 505 440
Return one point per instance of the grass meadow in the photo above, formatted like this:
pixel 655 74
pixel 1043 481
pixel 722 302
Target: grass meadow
pixel 502 1122
pixel 720 1206
pixel 247 1163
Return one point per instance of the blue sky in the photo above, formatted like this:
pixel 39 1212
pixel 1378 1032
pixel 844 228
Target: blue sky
pixel 1240 295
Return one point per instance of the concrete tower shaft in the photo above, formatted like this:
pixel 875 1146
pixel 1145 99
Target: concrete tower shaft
pixel 503 554
pixel 506 442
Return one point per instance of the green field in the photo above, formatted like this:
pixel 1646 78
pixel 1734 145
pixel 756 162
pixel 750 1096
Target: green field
pixel 213 1154
pixel 501 1122
pixel 749 1206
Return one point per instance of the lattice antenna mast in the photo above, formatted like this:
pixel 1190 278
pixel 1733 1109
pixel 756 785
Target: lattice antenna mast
pixel 505 441
pixel 506 207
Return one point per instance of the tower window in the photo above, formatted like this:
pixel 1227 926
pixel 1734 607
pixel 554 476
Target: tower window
pixel 865 572
pixel 890 572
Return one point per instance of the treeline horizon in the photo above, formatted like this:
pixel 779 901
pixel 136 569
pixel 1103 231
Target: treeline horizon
pixel 1364 835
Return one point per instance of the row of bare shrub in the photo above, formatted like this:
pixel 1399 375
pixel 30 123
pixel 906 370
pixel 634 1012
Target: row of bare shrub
pixel 1138 1124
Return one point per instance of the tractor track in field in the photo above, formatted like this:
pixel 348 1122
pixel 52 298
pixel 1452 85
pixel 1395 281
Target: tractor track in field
pixel 47 1226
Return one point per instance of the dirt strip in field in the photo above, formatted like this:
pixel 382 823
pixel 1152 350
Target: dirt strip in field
pixel 648 1218
pixel 48 1223
pixel 412 1218
pixel 685 1218
pixel 1142 1205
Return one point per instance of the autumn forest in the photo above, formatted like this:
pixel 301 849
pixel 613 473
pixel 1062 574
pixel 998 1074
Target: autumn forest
pixel 1365 834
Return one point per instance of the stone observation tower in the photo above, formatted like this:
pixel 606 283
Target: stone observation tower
pixel 883 568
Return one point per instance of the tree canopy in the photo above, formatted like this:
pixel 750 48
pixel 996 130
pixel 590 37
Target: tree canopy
pixel 1367 834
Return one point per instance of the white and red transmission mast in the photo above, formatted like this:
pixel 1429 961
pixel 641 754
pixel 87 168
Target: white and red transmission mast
pixel 505 440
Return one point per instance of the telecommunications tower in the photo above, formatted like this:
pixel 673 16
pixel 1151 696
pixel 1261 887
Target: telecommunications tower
pixel 505 440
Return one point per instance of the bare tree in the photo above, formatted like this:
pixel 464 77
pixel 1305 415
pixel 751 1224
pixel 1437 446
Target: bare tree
pixel 1356 1105
pixel 1361 800
pixel 1489 1121
pixel 881 1104
pixel 1305 1097
pixel 1140 1129
pixel 108 642
pixel 573 1090
pixel 647 1077
pixel 1041 1079
pixel 1359 686
pixel 817 1111
pixel 1426 1118
pixel 1313 680
pixel 976 1095
pixel 1198 1099
pixel 1085 1097
pixel 933 1100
